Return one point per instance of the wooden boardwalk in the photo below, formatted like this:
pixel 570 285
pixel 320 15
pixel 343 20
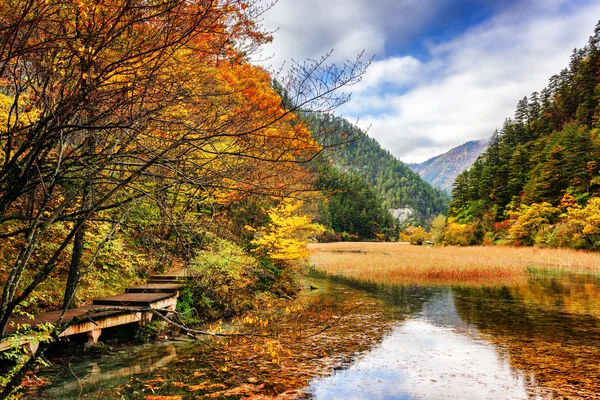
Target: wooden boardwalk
pixel 156 288
pixel 160 293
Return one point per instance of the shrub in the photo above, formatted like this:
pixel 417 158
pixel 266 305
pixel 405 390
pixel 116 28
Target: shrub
pixel 349 237
pixel 460 234
pixel 225 283
pixel 586 223
pixel 561 235
pixel 529 220
pixel 329 237
pixel 415 235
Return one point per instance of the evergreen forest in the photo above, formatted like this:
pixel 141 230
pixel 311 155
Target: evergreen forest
pixel 539 180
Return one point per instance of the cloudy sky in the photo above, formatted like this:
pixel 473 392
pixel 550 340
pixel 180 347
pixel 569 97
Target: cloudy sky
pixel 445 71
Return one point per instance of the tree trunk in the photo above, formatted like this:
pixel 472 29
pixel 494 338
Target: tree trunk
pixel 78 241
pixel 74 268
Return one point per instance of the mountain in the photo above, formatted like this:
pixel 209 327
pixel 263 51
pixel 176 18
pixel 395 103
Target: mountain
pixel 441 171
pixel 401 190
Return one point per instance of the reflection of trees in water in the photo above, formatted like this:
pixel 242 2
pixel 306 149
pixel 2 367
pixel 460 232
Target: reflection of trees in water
pixel 406 300
pixel 572 293
pixel 91 378
pixel 335 325
pixel 557 349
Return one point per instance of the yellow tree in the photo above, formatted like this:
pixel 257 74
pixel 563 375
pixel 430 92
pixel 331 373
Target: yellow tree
pixel 285 237
pixel 529 220
pixel 587 221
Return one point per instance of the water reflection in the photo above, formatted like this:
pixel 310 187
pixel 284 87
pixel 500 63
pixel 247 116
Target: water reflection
pixel 539 339
pixel 422 360
pixel 434 355
pixel 536 339
pixel 334 324
pixel 100 374
pixel 548 329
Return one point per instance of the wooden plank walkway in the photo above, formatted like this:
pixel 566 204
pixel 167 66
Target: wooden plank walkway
pixel 156 288
pixel 53 316
pixel 160 293
pixel 152 300
pixel 171 277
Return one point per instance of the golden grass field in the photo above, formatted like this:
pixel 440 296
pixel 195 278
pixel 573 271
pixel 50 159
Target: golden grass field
pixel 403 263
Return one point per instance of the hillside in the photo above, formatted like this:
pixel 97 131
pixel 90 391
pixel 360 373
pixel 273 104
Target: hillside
pixel 539 179
pixel 397 185
pixel 441 171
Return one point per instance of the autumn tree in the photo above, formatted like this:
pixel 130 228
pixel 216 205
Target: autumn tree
pixel 285 236
pixel 437 229
pixel 586 220
pixel 107 105
pixel 529 220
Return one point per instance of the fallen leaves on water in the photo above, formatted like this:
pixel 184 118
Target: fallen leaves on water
pixel 276 360
pixel 207 386
pixel 242 390
pixel 157 380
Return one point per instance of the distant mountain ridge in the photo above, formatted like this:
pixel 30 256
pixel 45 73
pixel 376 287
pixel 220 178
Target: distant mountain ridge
pixel 401 190
pixel 441 171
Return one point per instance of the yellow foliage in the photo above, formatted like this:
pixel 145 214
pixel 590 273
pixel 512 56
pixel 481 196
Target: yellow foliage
pixel 286 235
pixel 529 220
pixel 415 235
pixel 586 219
pixel 5 104
pixel 459 234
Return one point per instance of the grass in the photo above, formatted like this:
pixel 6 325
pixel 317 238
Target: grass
pixel 402 263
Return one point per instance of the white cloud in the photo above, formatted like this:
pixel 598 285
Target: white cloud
pixel 464 88
pixel 472 82
pixel 397 71
pixel 311 28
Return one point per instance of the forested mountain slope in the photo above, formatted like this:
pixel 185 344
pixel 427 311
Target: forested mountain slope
pixel 441 171
pixel 539 180
pixel 353 210
pixel 397 185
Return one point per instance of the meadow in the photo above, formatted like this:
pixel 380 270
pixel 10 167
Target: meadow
pixel 403 263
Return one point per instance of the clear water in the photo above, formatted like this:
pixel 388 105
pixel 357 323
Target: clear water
pixel 539 339
pixel 433 355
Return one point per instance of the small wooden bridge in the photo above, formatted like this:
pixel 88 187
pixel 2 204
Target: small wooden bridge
pixel 160 293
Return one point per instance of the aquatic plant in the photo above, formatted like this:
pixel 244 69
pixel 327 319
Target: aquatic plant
pixel 400 263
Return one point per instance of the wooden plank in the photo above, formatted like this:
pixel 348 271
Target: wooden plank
pixel 133 299
pixel 156 288
pixel 174 275
pixel 161 295
pixel 99 323
pixel 93 322
pixel 165 281
pixel 53 317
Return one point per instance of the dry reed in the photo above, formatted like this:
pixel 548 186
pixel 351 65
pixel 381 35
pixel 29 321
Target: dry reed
pixel 402 263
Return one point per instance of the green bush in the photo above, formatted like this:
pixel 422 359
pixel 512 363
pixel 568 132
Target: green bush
pixel 225 284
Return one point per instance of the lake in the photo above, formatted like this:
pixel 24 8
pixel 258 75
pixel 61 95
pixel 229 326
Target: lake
pixel 535 339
